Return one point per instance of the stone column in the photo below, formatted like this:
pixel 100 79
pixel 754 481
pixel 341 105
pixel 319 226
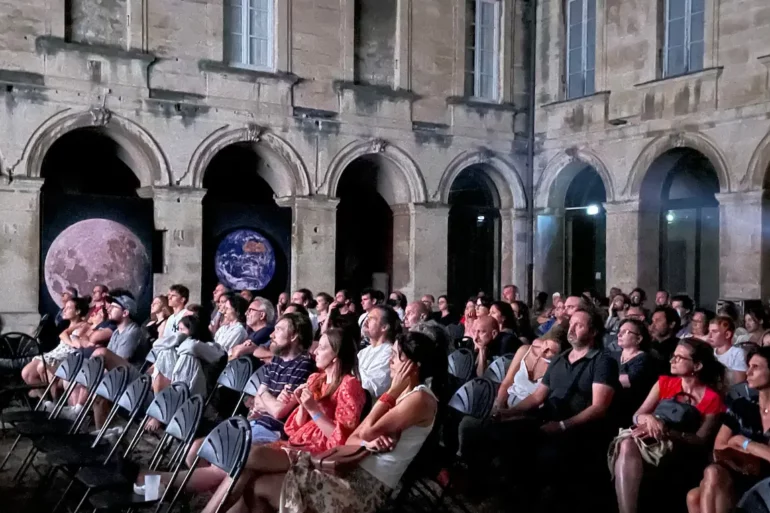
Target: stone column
pixel 632 247
pixel 744 250
pixel 515 228
pixel 179 213
pixel 313 242
pixel 420 249
pixel 20 253
pixel 549 251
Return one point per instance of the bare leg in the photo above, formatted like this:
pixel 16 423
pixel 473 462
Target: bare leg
pixel 190 458
pixel 101 409
pixel 694 500
pixel 266 492
pixel 159 383
pixel 628 476
pixel 30 373
pixel 235 496
pixel 717 494
pixel 202 480
pixel 111 360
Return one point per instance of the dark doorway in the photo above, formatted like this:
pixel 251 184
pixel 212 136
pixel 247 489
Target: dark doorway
pixel 585 234
pixel 689 227
pixel 473 242
pixel 94 227
pixel 364 230
pixel 246 235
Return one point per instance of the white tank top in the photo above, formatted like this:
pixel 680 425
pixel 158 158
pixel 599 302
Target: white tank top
pixel 388 467
pixel 522 386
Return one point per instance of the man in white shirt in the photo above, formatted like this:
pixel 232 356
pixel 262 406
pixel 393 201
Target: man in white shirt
pixel 369 299
pixel 374 360
pixel 178 296
pixel 721 330
pixel 305 298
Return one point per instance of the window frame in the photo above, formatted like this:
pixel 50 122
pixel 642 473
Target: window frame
pixel 584 70
pixel 477 94
pixel 687 41
pixel 244 61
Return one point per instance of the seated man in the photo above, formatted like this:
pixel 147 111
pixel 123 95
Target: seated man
pixel 721 331
pixel 260 317
pixel 127 335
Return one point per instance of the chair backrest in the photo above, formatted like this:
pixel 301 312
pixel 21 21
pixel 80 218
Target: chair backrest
pixel 40 326
pixel 18 348
pixel 256 379
pixel 134 396
pixel 185 421
pixel 91 373
pixel 498 368
pixel 757 499
pixel 227 447
pixel 236 374
pixel 168 401
pixel 151 356
pixel 461 364
pixel 741 390
pixel 114 384
pixel 70 367
pixel 475 398
pixel 456 332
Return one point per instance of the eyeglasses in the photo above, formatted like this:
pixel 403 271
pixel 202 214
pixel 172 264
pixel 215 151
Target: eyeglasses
pixel 254 310
pixel 678 358
pixel 629 332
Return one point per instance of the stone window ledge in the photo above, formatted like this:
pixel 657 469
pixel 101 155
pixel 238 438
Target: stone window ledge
pixel 50 45
pixel 707 74
pixel 477 104
pixel 765 59
pixel 223 68
pixel 599 97
pixel 375 92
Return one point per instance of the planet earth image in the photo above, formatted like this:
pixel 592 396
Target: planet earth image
pixel 96 251
pixel 245 260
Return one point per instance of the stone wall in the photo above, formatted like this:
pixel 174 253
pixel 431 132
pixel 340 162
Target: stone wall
pixel 375 41
pixel 97 22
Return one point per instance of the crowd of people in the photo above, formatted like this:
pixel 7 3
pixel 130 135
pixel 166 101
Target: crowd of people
pixel 598 393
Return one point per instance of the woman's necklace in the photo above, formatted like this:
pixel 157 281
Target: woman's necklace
pixel 624 358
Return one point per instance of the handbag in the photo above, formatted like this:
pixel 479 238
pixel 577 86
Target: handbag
pixel 339 460
pixel 746 464
pixel 679 416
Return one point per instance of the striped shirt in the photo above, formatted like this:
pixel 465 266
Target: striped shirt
pixel 278 374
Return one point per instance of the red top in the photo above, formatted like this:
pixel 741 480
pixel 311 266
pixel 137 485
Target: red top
pixel 344 408
pixel 711 404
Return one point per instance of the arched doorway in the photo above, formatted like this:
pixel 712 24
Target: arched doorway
pixel 585 226
pixel 246 235
pixel 364 250
pixel 94 227
pixel 678 193
pixel 473 239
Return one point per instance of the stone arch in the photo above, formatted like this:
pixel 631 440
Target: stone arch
pixel 757 176
pixel 561 169
pixel 139 150
pixel 504 176
pixel 406 180
pixel 288 176
pixel 660 145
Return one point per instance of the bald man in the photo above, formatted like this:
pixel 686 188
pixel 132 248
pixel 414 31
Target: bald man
pixel 487 330
pixel 415 312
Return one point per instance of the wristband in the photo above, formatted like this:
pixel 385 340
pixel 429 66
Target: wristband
pixel 562 425
pixel 314 417
pixel 745 444
pixel 387 399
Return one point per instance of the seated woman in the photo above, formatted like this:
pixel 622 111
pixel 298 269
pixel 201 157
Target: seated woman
pixel 638 371
pixel 394 432
pixel 98 333
pixel 696 374
pixel 746 430
pixel 232 333
pixel 159 312
pixel 39 370
pixel 330 406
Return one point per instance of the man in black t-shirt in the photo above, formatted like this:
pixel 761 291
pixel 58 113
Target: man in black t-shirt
pixel 663 329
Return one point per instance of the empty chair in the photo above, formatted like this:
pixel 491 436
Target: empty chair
pixel 235 377
pixel 475 398
pixel 498 368
pixel 16 350
pixel 461 365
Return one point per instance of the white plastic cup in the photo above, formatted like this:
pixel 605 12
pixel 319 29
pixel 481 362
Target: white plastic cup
pixel 152 487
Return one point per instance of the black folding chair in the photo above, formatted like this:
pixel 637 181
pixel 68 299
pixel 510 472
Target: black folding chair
pixel 757 499
pixel 162 408
pixel 497 370
pixel 182 430
pixel 255 380
pixel 235 377
pixel 461 367
pixel 475 398
pixel 67 371
pixel 16 351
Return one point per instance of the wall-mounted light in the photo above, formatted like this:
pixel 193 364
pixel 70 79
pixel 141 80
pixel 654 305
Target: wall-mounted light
pixel 670 217
pixel 592 210
pixel 480 219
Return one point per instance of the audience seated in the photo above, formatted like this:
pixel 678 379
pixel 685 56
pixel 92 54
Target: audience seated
pixel 721 330
pixel 664 325
pixel 374 360
pixel 638 370
pixel 232 332
pixel 617 314
pixel 159 312
pixel 216 317
pixel 523 321
pixel 178 297
pixel 673 440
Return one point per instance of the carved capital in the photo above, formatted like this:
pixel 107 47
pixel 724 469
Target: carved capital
pixel 485 155
pixel 254 132
pixel 379 145
pixel 678 140
pixel 100 116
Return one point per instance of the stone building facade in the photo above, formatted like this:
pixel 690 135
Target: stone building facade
pixel 323 84
pixel 643 98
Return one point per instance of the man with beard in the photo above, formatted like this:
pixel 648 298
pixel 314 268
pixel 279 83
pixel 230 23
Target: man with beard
pixel 575 395
pixel 638 296
pixel 663 329
pixel 290 367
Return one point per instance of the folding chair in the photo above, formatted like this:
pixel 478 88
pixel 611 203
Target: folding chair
pixel 235 377
pixel 741 390
pixel 256 379
pixel 757 499
pixel 16 351
pixel 67 371
pixel 181 429
pixel 475 398
pixel 162 408
pixel 498 368
pixel 461 366
pixel 90 375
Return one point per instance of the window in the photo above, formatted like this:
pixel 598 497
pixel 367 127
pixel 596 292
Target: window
pixel 581 47
pixel 482 54
pixel 248 31
pixel 683 50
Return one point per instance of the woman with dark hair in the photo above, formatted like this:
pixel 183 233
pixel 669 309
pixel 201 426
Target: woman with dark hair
pixel 638 370
pixel 323 306
pixel 744 435
pixel 445 316
pixel 469 318
pixel 483 304
pixel 755 324
pixel 523 321
pixel 393 432
pixel 673 443
pixel 506 341
pixel 232 332
pixel 397 301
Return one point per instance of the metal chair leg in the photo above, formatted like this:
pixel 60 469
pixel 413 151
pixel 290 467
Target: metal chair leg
pixel 63 496
pixel 83 500
pixel 25 464
pixel 7 456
